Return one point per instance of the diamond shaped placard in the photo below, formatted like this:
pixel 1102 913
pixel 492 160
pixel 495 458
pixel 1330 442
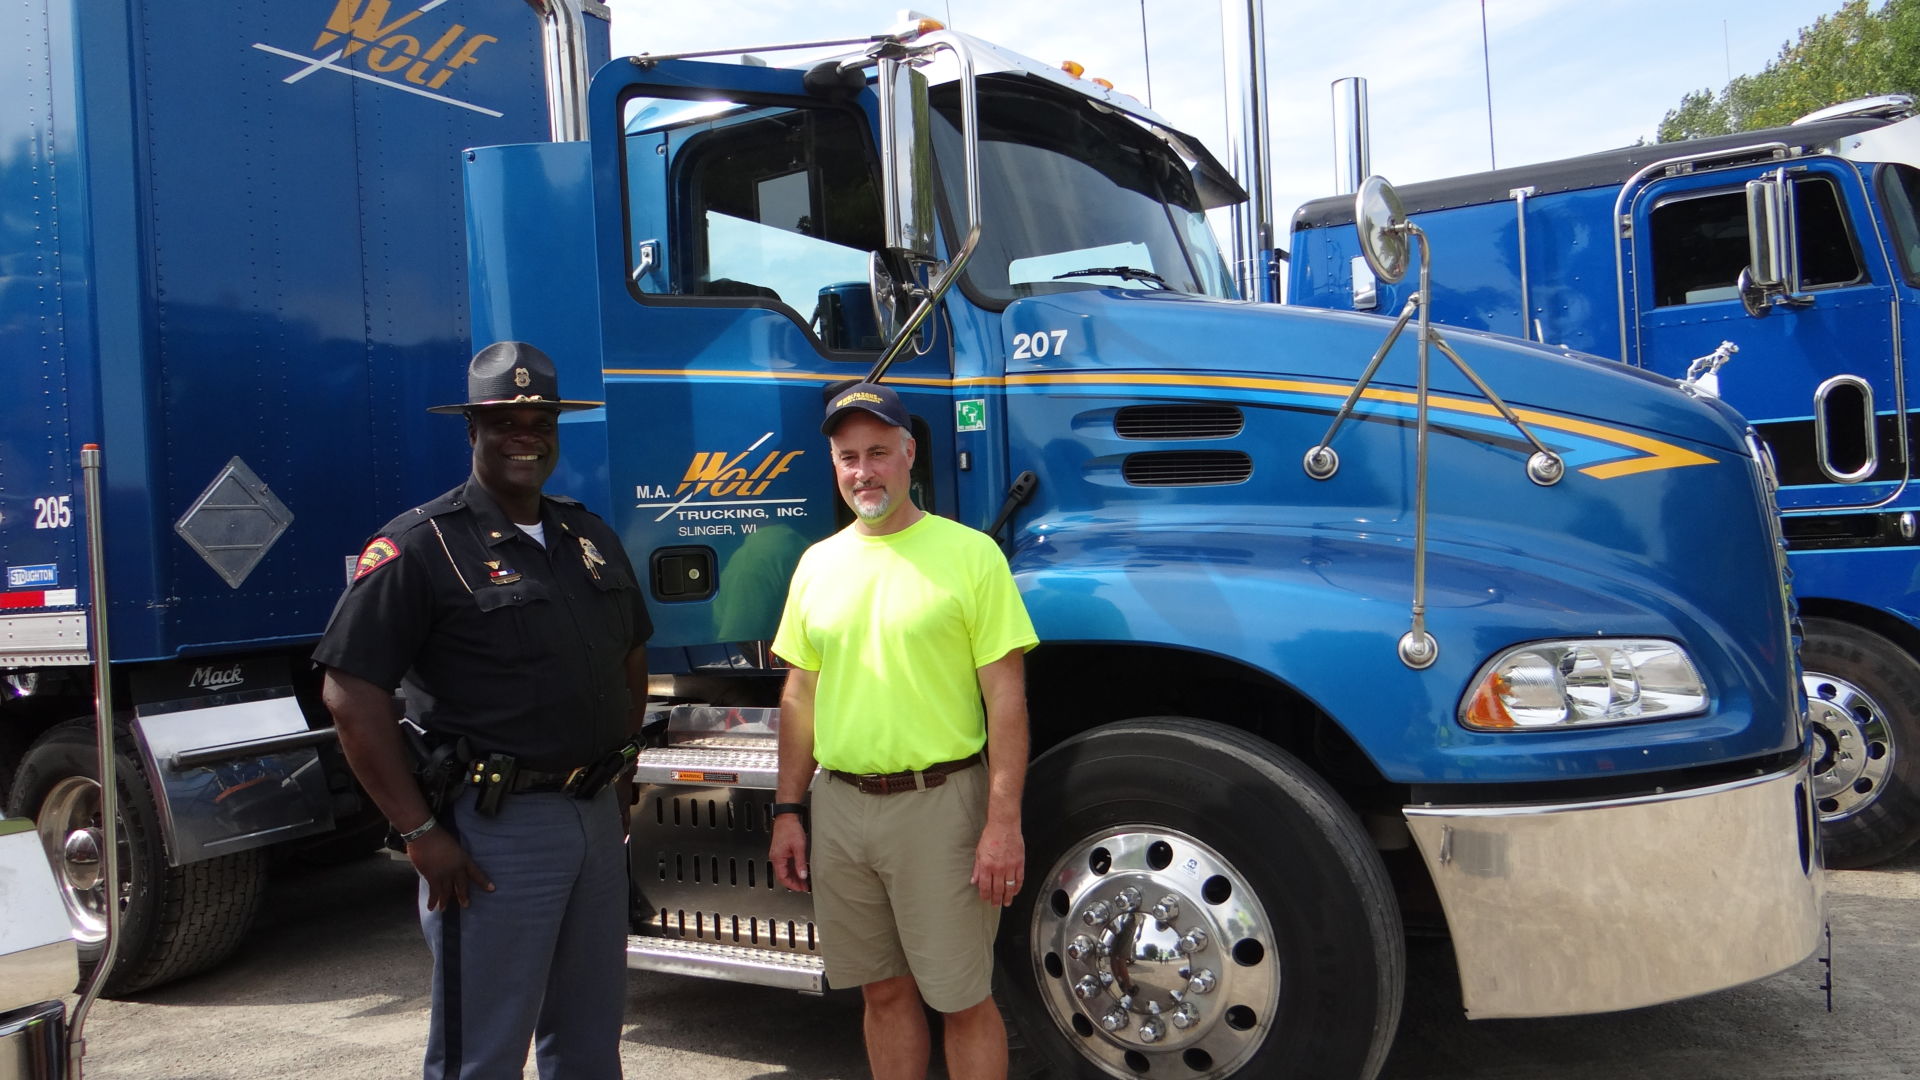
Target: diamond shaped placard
pixel 234 522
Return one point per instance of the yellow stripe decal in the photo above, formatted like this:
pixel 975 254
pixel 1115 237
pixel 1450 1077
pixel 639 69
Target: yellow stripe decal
pixel 1645 454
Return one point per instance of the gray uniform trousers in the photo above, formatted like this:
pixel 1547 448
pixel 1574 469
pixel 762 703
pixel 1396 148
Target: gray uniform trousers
pixel 543 956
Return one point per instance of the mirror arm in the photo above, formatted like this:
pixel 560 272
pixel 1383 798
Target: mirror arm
pixel 910 328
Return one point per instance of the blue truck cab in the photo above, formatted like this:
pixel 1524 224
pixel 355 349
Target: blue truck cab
pixel 1779 267
pixel 1596 780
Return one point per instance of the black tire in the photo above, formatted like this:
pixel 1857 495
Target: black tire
pixel 1863 695
pixel 175 921
pixel 1304 936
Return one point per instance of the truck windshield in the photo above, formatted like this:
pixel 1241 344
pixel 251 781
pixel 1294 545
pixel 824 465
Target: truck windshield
pixel 1068 188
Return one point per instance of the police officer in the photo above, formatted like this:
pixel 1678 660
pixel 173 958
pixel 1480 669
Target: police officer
pixel 514 626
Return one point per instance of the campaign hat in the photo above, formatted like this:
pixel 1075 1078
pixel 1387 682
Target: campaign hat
pixel 513 373
pixel 873 398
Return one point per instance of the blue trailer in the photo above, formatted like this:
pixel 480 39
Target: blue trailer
pixel 1474 676
pixel 1795 252
pixel 232 254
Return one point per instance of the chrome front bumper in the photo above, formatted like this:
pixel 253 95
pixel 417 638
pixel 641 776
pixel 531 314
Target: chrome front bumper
pixel 1599 906
pixel 33 1042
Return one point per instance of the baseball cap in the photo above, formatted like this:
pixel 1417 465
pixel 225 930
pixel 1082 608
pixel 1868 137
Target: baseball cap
pixel 879 400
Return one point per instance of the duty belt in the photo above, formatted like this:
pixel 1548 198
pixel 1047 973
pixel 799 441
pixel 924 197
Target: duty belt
pixel 893 783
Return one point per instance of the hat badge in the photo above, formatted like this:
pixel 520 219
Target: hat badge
pixel 521 378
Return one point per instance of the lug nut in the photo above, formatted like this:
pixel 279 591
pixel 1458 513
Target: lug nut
pixel 1152 1031
pixel 1114 1020
pixel 1195 941
pixel 1186 1016
pixel 1167 910
pixel 1127 899
pixel 1087 989
pixel 1079 947
pixel 1096 913
pixel 1202 981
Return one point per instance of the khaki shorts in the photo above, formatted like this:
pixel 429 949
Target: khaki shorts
pixel 891 894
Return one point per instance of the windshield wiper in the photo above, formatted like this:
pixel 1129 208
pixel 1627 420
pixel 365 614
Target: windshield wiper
pixel 1124 273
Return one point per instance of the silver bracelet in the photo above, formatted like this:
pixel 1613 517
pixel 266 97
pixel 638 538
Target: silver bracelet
pixel 428 826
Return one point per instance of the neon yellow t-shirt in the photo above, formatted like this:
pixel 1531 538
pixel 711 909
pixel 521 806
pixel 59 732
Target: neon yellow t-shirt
pixel 896 626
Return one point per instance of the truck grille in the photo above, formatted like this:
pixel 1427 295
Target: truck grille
pixel 700 865
pixel 1179 422
pixel 1186 468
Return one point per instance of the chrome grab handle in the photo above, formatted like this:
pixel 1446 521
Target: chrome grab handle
pixel 1822 444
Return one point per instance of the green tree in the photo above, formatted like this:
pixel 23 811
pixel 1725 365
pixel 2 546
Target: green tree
pixel 1853 53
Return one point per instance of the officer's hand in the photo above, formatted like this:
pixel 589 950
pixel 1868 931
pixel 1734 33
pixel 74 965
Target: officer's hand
pixel 999 863
pixel 789 852
pixel 446 868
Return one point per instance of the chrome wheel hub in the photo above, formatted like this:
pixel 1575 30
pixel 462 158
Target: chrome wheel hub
pixel 1152 952
pixel 70 831
pixel 1852 744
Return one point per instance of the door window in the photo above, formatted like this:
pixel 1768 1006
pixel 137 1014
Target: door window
pixel 1699 243
pixel 779 206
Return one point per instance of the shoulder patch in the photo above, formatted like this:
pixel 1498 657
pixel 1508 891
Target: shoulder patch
pixel 378 554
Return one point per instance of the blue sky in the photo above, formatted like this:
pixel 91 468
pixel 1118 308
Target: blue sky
pixel 1569 76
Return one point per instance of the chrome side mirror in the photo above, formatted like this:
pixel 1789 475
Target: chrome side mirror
pixel 1773 263
pixel 906 147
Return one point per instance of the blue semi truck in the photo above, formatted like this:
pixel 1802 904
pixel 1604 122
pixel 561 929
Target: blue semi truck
pixel 1298 691
pixel 1471 679
pixel 232 253
pixel 1783 264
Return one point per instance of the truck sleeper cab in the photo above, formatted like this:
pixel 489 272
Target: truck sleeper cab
pixel 1799 248
pixel 1239 786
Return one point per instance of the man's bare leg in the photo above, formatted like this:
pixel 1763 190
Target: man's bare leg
pixel 976 1043
pixel 896 1026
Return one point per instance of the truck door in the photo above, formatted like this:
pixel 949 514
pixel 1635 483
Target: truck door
pixel 750 208
pixel 1818 372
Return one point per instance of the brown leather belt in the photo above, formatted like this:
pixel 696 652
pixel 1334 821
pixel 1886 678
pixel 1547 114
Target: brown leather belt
pixel 895 782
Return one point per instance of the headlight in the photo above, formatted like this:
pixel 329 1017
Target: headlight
pixel 1557 684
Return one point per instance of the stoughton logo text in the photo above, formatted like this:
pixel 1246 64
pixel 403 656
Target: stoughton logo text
pixel 216 678
pixel 400 49
pixel 725 492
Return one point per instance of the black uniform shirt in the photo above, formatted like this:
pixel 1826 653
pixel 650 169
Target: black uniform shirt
pixel 522 650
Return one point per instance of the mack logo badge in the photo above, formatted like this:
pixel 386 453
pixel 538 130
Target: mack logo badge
pixel 401 51
pixel 43 576
pixel 216 678
pixel 723 487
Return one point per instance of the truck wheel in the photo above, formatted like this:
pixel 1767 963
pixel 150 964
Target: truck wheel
pixel 1863 696
pixel 174 921
pixel 1200 904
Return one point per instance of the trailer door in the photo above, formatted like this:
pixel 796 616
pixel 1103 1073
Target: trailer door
pixel 1818 372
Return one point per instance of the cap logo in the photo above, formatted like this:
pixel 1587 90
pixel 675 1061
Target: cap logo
pixel 861 395
pixel 521 379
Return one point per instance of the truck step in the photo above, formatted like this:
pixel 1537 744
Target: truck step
pixel 734 963
pixel 712 762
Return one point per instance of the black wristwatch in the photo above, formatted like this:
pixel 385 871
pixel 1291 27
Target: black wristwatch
pixel 789 808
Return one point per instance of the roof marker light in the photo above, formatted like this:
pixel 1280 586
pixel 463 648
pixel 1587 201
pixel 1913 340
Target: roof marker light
pixel 1074 69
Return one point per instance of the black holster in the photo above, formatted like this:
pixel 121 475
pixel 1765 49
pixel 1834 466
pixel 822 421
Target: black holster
pixel 439 764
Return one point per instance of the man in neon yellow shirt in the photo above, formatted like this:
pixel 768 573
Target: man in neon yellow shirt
pixel 906 634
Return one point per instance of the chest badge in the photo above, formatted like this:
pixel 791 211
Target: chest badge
pixel 501 575
pixel 591 556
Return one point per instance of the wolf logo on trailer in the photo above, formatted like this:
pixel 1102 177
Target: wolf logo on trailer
pixel 420 60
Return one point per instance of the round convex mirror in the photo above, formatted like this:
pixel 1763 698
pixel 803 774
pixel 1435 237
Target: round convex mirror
pixel 1377 213
pixel 886 294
